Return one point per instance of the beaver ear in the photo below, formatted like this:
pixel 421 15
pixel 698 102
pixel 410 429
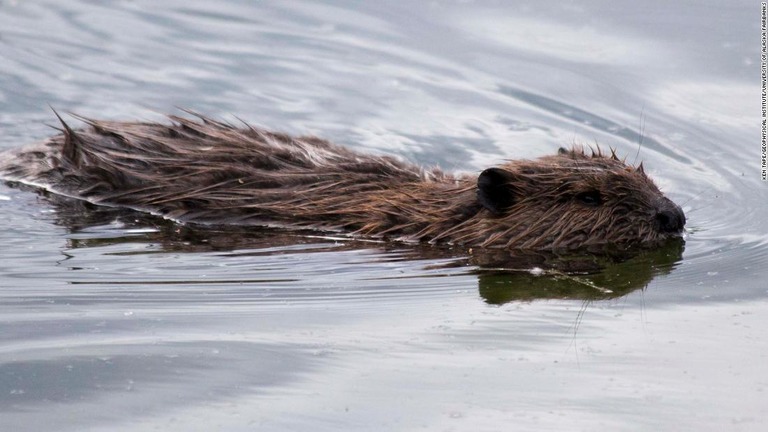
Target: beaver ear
pixel 493 190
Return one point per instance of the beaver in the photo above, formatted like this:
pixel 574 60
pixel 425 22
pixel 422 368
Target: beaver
pixel 203 171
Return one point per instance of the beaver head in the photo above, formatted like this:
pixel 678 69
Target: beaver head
pixel 573 200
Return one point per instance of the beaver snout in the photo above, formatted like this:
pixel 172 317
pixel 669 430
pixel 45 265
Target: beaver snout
pixel 670 217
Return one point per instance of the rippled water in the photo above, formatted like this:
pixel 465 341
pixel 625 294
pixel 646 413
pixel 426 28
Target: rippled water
pixel 116 322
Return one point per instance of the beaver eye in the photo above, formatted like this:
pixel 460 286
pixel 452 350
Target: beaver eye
pixel 591 198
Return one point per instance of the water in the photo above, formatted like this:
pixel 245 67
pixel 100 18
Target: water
pixel 111 322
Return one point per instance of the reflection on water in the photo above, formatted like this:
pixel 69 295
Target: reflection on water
pixel 582 277
pixel 503 276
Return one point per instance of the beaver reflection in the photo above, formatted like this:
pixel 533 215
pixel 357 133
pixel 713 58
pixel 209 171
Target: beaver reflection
pixel 502 276
pixel 577 277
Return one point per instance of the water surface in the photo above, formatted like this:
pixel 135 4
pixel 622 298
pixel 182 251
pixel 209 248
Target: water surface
pixel 115 322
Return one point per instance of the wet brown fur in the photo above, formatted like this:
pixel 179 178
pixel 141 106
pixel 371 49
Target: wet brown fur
pixel 204 171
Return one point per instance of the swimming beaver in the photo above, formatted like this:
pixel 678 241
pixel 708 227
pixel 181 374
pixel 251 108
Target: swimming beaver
pixel 205 171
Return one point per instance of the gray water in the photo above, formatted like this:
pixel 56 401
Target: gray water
pixel 110 322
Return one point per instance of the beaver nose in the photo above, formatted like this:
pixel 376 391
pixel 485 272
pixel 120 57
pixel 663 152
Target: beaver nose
pixel 670 217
